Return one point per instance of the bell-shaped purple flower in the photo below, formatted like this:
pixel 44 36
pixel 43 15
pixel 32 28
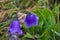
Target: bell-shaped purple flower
pixel 15 27
pixel 31 20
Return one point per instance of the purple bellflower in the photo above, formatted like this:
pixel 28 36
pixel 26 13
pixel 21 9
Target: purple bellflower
pixel 31 20
pixel 15 27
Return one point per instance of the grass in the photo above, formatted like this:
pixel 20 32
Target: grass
pixel 48 28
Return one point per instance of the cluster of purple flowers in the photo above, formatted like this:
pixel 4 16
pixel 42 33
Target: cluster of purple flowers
pixel 30 20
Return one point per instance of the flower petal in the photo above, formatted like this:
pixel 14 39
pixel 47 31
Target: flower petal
pixel 28 25
pixel 36 21
pixel 30 20
pixel 20 32
pixel 15 27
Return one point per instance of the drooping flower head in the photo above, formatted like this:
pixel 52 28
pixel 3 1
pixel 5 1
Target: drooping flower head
pixel 31 20
pixel 15 27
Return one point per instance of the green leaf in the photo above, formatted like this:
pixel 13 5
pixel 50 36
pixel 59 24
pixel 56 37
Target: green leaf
pixel 3 24
pixel 58 34
pixel 28 35
pixel 10 6
pixel 55 8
